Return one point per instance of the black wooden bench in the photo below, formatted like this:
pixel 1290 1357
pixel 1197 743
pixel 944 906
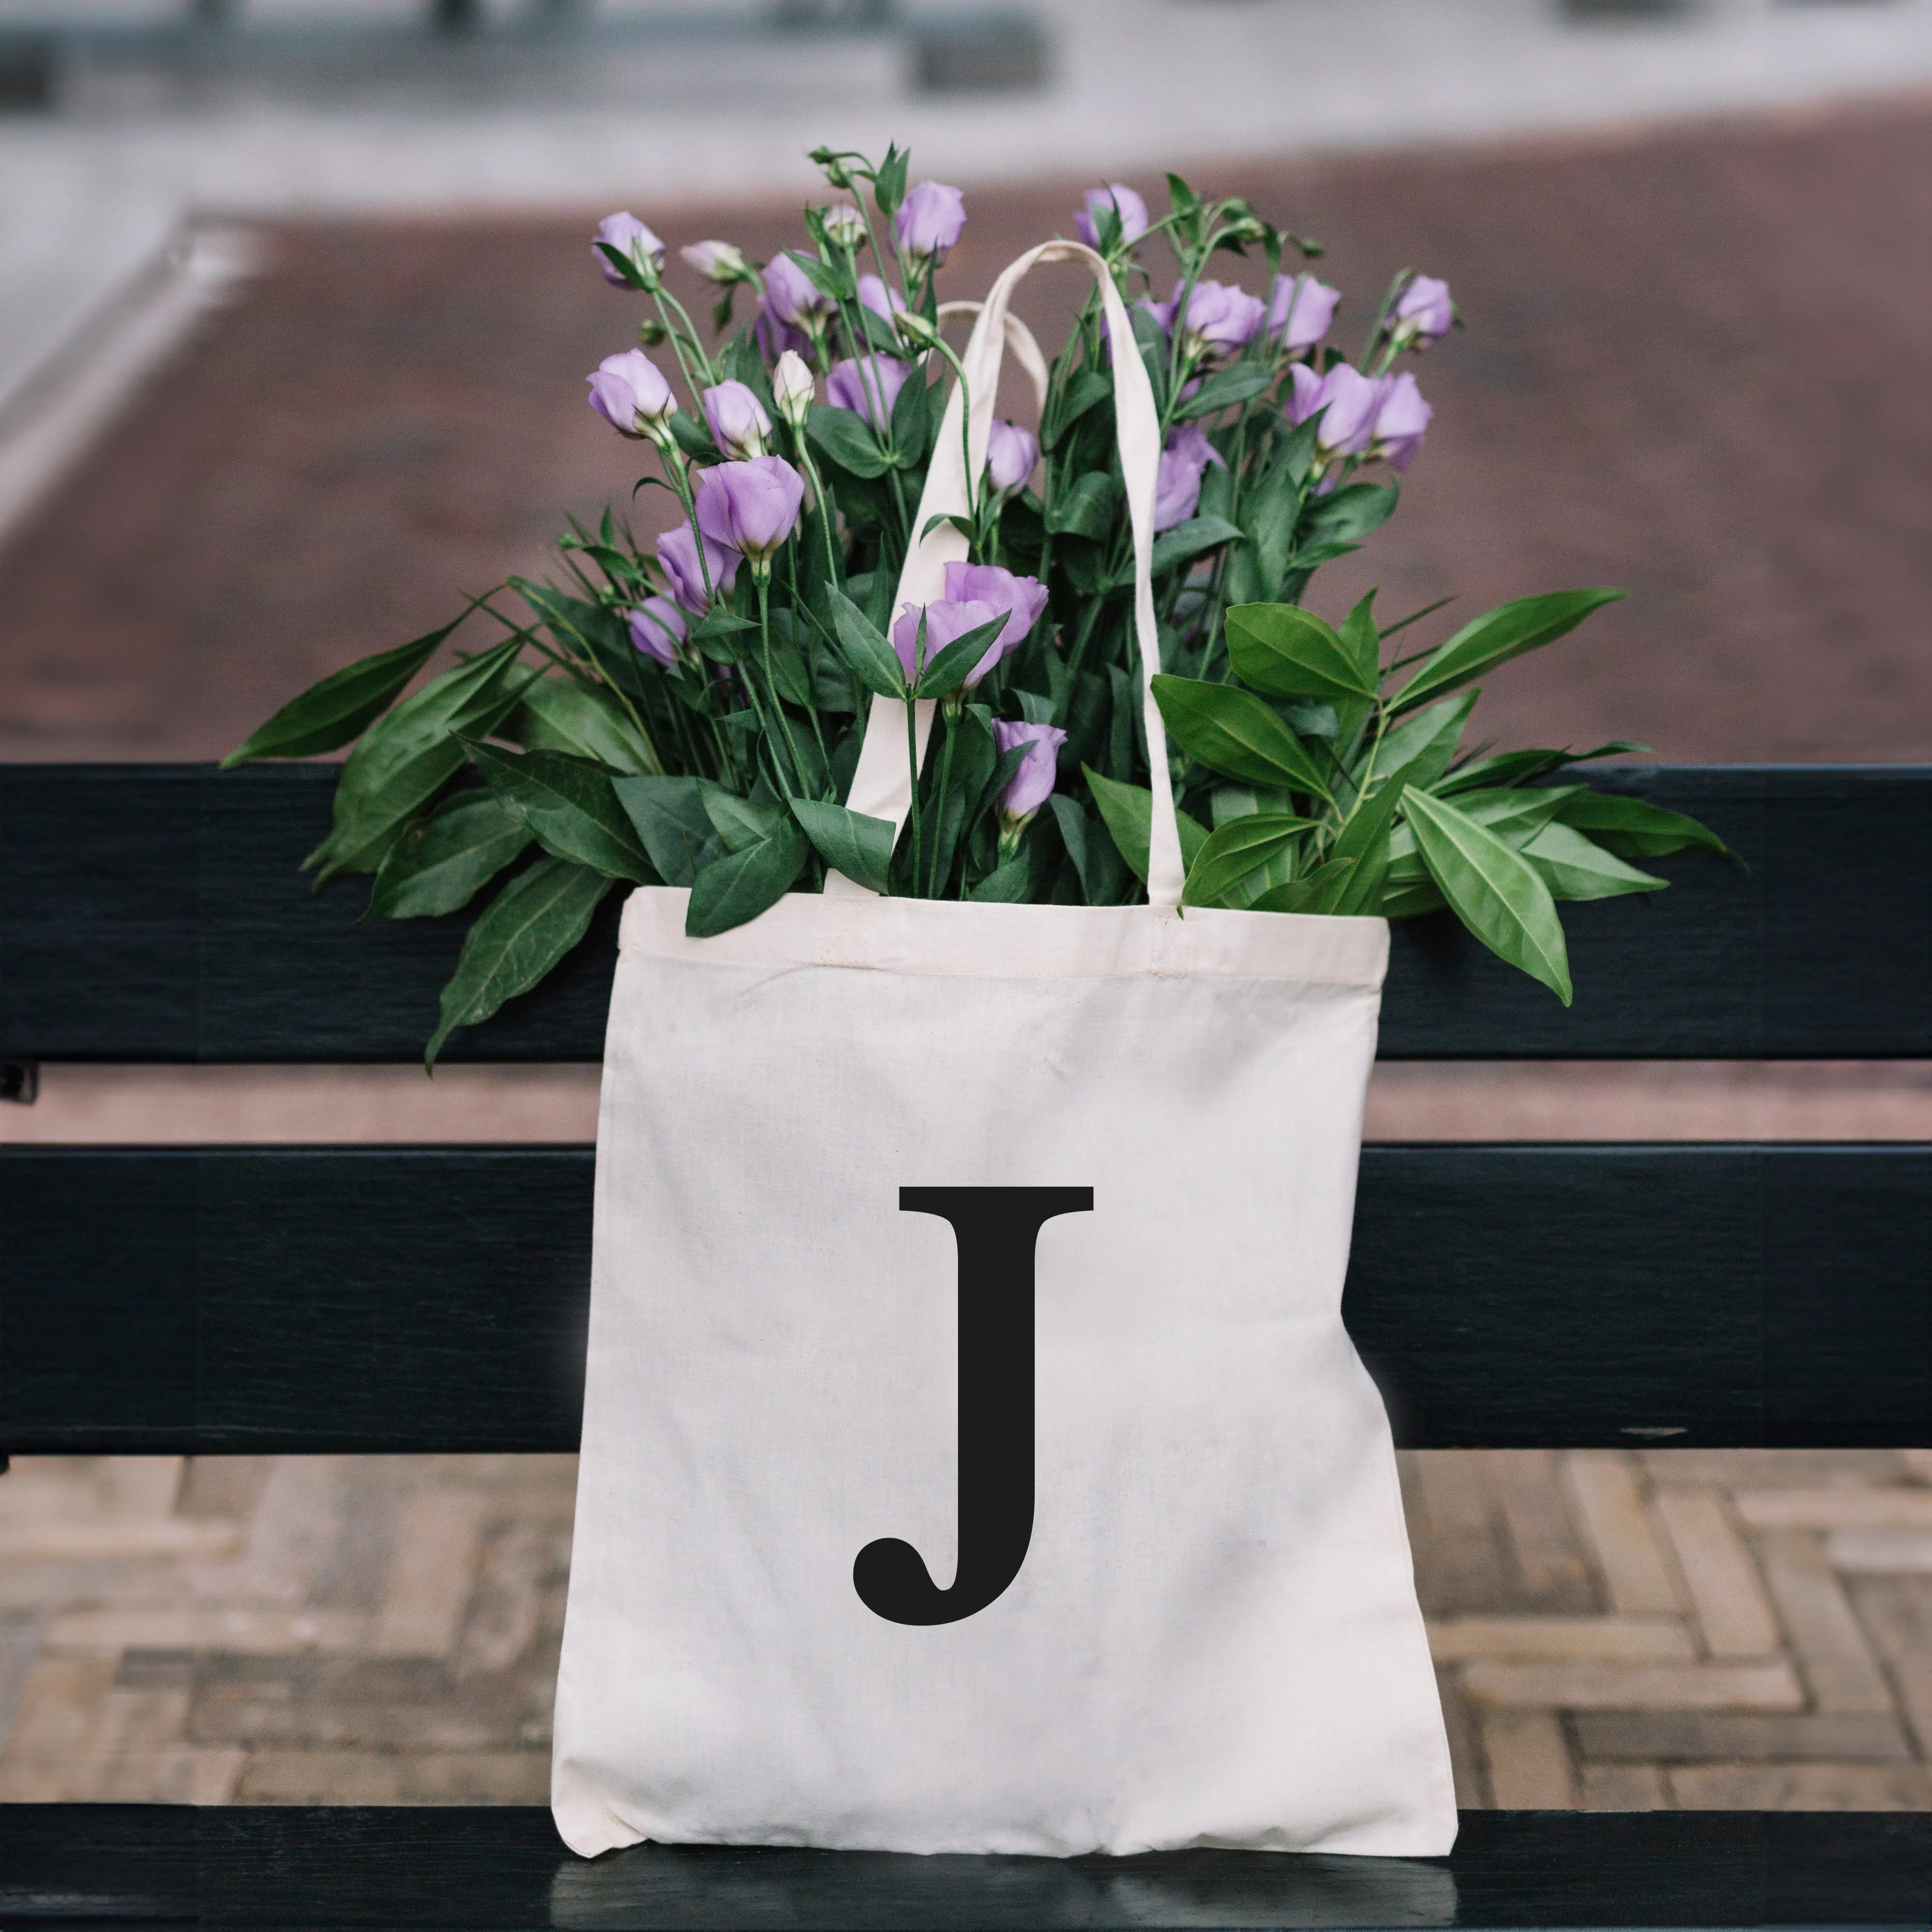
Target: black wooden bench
pixel 293 1300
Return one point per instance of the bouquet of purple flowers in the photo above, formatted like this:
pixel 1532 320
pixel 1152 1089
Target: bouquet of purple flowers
pixel 691 716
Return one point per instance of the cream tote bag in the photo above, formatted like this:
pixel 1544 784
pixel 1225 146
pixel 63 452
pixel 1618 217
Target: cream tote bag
pixel 974 1459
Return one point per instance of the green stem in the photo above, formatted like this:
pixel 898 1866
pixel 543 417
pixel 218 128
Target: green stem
pixel 761 576
pixel 945 786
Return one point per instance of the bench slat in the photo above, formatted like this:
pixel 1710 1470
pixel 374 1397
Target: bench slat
pixel 154 914
pixel 394 1299
pixel 267 1868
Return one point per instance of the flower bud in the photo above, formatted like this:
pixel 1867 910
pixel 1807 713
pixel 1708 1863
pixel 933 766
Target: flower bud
pixel 914 330
pixel 737 421
pixel 752 507
pixel 657 628
pixel 792 296
pixel 1424 314
pixel 792 387
pixel 630 393
pixel 1100 205
pixel 717 261
pixel 1011 454
pixel 844 227
pixel 1401 423
pixel 635 243
pixel 1032 785
pixel 930 221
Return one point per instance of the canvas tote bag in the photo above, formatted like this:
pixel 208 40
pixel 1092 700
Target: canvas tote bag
pixel 973 1457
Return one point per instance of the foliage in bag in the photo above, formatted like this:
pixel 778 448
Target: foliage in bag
pixel 692 716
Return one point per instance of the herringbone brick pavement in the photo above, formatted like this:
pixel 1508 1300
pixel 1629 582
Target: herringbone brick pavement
pixel 1614 1630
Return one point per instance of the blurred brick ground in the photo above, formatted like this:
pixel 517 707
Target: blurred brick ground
pixel 1697 365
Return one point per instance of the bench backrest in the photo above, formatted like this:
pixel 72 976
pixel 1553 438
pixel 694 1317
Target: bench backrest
pixel 343 1299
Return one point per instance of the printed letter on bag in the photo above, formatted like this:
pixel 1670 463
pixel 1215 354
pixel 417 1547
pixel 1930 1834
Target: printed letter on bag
pixel 996 1228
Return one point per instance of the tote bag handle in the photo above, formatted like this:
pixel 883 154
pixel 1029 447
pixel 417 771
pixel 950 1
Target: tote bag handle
pixel 882 784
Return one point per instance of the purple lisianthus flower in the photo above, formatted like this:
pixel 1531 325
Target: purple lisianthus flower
pixel 630 237
pixel 1177 489
pixel 1122 198
pixel 775 336
pixel 1352 401
pixel 1032 785
pixel 1301 310
pixel 1011 454
pixel 1023 599
pixel 677 552
pixel 792 296
pixel 947 620
pixel 868 385
pixel 1221 319
pixel 630 393
pixel 738 422
pixel 1401 422
pixel 930 221
pixel 752 507
pixel 874 295
pixel 657 628
pixel 1424 314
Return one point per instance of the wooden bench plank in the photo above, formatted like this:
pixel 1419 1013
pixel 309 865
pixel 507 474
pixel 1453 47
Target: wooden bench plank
pixel 270 1867
pixel 154 914
pixel 262 1299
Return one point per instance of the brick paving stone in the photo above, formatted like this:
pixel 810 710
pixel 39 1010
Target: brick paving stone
pixel 1887 1551
pixel 1836 1661
pixel 1613 1686
pixel 1609 1494
pixel 1898 1612
pixel 1528 1761
pixel 1544 1639
pixel 1623 1787
pixel 1725 1591
pixel 1723 1736
pixel 1839 1508
pixel 1802 1787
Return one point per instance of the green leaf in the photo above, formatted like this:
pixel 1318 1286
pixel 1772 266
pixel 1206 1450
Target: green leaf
pixel 737 888
pixel 1069 404
pixel 1428 741
pixel 1573 867
pixel 1498 635
pixel 406 758
pixel 844 435
pixel 1286 651
pixel 568 804
pixel 909 411
pixel 1098 866
pixel 848 842
pixel 558 714
pixel 1234 733
pixel 1010 885
pixel 1634 829
pixel 1347 515
pixel 1363 641
pixel 1499 895
pixel 670 819
pixel 1187 541
pixel 889 183
pixel 1244 381
pixel 586 630
pixel 328 715
pixel 1236 852
pixel 1127 812
pixel 828 278
pixel 1316 893
pixel 947 670
pixel 1086 510
pixel 742 823
pixel 440 863
pixel 693 437
pixel 873 662
pixel 1515 815
pixel 1412 901
pixel 523 932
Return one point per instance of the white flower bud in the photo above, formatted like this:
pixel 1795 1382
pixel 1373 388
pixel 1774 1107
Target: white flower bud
pixel 915 330
pixel 844 225
pixel 792 387
pixel 717 261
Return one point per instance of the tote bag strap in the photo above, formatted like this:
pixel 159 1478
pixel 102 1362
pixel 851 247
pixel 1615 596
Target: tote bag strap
pixel 882 784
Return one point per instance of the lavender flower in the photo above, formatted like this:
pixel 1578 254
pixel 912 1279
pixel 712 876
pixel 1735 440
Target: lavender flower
pixel 738 421
pixel 947 620
pixel 792 387
pixel 632 239
pixel 1177 489
pixel 1401 423
pixel 1032 785
pixel 868 386
pixel 1122 199
pixel 1011 454
pixel 753 507
pixel 717 261
pixel 1352 400
pixel 1023 599
pixel 1424 314
pixel 875 295
pixel 657 628
pixel 775 337
pixel 630 393
pixel 1221 319
pixel 1300 314
pixel 792 296
pixel 677 553
pixel 930 221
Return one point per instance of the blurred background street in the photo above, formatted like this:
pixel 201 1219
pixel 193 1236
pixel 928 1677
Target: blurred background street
pixel 295 302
